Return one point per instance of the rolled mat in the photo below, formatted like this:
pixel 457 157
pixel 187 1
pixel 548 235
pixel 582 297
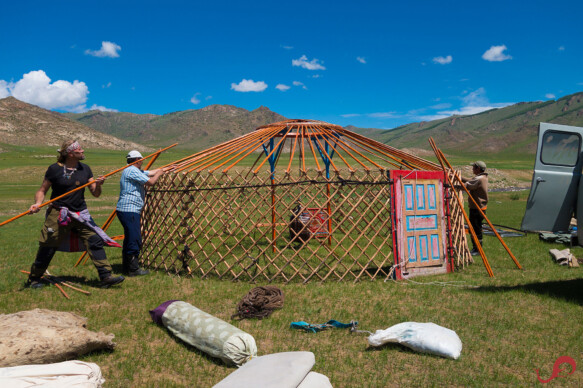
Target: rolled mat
pixel 206 332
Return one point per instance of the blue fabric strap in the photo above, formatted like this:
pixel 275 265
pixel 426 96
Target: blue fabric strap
pixel 314 328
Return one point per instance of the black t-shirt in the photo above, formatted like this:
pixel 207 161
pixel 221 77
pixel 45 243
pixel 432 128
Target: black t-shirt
pixel 61 183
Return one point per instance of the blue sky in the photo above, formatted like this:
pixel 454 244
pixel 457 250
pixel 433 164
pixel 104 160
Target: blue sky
pixel 365 63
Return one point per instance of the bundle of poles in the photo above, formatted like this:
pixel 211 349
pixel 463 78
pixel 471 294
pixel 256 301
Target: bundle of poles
pixel 445 165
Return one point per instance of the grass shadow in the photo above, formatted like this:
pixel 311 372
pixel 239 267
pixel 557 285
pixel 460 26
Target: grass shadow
pixel 568 290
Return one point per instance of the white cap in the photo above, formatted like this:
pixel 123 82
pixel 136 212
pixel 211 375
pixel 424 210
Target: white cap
pixel 134 155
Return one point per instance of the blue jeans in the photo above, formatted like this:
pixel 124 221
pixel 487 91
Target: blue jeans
pixel 132 242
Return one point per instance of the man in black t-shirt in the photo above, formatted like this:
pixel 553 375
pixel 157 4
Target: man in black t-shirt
pixel 65 175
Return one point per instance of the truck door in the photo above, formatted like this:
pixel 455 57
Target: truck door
pixel 555 181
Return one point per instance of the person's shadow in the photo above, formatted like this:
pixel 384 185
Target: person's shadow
pixel 568 290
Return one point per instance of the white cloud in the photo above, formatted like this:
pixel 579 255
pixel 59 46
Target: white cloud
pixel 36 88
pixel 195 100
pixel 248 85
pixel 475 102
pixel 443 105
pixel 298 83
pixel 443 60
pixel 496 54
pixel 348 115
pixel 102 108
pixel 287 47
pixel 208 97
pixel 311 65
pixel 108 49
pixel 4 91
pixel 550 96
pixel 361 59
pixel 282 87
pixel 383 115
pixel 561 48
pixel 106 85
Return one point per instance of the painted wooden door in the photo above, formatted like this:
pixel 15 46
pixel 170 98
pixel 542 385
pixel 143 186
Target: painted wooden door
pixel 422 212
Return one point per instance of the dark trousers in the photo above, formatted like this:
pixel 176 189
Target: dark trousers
pixel 476 219
pixel 132 241
pixel 51 237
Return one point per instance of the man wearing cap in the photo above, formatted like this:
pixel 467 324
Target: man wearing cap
pixel 129 207
pixel 68 225
pixel 478 188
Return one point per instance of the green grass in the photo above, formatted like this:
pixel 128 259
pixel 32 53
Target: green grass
pixel 510 325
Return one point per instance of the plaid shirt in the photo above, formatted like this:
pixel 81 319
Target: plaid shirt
pixel 132 192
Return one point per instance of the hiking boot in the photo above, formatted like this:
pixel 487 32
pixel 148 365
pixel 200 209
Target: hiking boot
pixel 138 272
pixel 111 281
pixel 34 284
pixel 474 252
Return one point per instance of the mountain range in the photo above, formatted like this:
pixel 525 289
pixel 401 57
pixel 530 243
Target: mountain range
pixel 512 129
pixel 29 125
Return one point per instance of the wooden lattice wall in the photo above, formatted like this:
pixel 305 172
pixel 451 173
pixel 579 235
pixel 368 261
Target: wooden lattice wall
pixel 222 225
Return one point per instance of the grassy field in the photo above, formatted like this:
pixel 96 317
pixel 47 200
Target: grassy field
pixel 510 325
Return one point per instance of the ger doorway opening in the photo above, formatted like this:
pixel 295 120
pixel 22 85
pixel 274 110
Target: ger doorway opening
pixel 296 200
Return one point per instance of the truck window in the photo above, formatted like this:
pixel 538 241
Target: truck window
pixel 560 148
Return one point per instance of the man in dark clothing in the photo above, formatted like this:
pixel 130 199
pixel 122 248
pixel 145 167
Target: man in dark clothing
pixel 478 188
pixel 67 220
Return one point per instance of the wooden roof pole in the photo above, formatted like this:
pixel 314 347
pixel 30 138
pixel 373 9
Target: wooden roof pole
pixel 381 154
pixel 483 215
pixel 272 151
pixel 337 143
pixel 399 161
pixel 363 156
pixel 291 155
pixel 216 152
pixel 460 204
pixel 83 186
pixel 340 144
pixel 252 146
pixel 323 149
pixel 256 146
pixel 421 163
pixel 313 152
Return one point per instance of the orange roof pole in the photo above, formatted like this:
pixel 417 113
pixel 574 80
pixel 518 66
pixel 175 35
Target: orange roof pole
pixel 355 150
pixel 483 214
pixel 253 146
pixel 421 163
pixel 314 152
pixel 380 154
pixel 273 150
pixel 366 144
pixel 460 204
pixel 83 186
pixel 215 152
pixel 291 155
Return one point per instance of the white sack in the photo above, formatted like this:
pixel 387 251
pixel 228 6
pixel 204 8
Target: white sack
pixel 278 370
pixel 421 337
pixel 77 374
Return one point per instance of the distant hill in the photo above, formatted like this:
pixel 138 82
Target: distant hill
pixel 26 124
pixel 513 129
pixel 195 129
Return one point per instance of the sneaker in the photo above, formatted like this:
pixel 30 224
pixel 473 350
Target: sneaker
pixel 138 272
pixel 474 252
pixel 111 281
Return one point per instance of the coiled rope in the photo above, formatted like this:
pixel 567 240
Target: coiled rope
pixel 259 303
